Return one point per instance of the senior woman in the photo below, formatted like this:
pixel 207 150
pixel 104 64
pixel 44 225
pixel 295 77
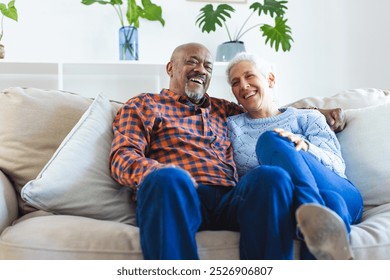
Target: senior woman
pixel 322 203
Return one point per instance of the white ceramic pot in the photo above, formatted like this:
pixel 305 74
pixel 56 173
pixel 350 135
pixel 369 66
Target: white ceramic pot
pixel 226 51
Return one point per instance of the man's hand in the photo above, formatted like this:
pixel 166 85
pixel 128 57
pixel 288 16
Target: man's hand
pixel 300 144
pixel 335 118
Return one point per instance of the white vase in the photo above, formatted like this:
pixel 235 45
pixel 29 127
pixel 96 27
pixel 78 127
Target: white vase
pixel 226 51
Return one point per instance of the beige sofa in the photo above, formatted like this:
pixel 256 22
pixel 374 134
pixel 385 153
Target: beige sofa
pixel 57 200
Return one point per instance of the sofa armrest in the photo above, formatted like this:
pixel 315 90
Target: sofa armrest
pixel 8 202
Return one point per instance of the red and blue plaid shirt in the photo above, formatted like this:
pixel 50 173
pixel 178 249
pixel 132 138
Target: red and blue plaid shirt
pixel 151 130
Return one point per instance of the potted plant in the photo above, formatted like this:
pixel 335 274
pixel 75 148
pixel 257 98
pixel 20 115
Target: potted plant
pixel 278 35
pixel 128 33
pixel 8 11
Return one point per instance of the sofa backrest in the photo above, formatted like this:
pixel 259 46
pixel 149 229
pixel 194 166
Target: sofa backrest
pixel 348 99
pixel 34 122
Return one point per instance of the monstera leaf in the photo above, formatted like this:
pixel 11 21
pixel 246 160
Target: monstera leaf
pixel 272 6
pixel 278 34
pixel 209 18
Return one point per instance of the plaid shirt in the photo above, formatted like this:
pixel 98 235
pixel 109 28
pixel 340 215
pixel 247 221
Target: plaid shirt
pixel 151 130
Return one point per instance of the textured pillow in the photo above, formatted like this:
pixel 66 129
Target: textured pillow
pixel 348 99
pixel 76 180
pixel 33 122
pixel 366 151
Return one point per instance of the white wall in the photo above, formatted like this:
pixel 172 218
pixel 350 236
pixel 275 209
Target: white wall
pixel 338 44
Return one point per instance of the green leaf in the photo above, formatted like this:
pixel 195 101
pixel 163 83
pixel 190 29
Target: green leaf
pixel 209 18
pixel 271 6
pixel 280 34
pixel 133 13
pixel 148 10
pixel 151 12
pixel 9 12
pixel 111 2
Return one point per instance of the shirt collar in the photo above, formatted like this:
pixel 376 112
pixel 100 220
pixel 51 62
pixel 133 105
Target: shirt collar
pixel 204 103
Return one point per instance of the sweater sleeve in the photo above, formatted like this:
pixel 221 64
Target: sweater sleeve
pixel 323 143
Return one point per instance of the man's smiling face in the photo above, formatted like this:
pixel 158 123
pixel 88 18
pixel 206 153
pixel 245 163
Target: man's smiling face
pixel 190 70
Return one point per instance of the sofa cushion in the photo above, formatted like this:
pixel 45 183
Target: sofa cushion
pixel 8 202
pixel 347 99
pixel 370 239
pixel 33 122
pixel 366 152
pixel 48 236
pixel 41 235
pixel 76 180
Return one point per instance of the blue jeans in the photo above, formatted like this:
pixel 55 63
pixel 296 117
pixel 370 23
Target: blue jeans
pixel 170 210
pixel 314 183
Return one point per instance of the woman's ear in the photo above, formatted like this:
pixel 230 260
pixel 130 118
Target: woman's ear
pixel 271 80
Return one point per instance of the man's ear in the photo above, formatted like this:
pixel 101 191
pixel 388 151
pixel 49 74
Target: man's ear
pixel 271 80
pixel 169 69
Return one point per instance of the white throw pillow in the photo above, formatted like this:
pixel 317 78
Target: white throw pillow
pixel 347 99
pixel 366 150
pixel 76 180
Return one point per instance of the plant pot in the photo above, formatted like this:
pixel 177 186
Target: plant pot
pixel 226 51
pixel 1 51
pixel 128 43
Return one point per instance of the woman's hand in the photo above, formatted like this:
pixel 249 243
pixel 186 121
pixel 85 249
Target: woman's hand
pixel 300 144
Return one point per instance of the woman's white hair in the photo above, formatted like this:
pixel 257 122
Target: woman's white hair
pixel 263 66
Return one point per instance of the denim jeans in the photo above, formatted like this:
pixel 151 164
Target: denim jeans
pixel 314 183
pixel 170 210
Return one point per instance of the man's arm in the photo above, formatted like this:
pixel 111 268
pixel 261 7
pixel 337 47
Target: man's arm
pixel 335 118
pixel 131 127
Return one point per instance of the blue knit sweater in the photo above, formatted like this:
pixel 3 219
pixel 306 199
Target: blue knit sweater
pixel 308 124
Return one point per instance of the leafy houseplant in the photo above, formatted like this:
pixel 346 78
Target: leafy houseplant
pixel 129 29
pixel 8 11
pixel 278 35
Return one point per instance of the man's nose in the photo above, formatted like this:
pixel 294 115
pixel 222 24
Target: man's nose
pixel 200 68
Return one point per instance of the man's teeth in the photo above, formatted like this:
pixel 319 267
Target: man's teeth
pixel 196 80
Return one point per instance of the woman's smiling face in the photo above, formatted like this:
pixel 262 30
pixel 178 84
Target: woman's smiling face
pixel 250 87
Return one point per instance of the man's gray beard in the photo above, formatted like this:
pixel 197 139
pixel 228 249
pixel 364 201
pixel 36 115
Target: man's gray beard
pixel 193 95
